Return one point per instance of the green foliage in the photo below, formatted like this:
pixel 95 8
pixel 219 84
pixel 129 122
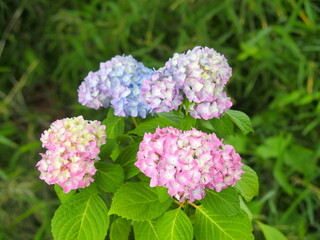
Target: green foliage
pixel 248 185
pixel 210 225
pixel 175 225
pixel 225 202
pixel 120 229
pixel 188 123
pixel 127 158
pixel 109 177
pixel 63 197
pixel 145 230
pixel 241 120
pixel 223 126
pixel 137 201
pixel 114 125
pixel 152 124
pixel 107 149
pixel 162 193
pixel 270 232
pixel 83 216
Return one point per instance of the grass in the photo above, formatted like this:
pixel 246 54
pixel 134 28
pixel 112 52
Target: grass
pixel 47 48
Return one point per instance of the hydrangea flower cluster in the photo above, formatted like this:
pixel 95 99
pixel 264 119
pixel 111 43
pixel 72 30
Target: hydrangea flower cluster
pixel 201 74
pixel 188 162
pixel 161 92
pixel 72 146
pixel 116 83
pixel 134 90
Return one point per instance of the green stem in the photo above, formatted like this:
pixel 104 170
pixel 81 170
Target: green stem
pixel 181 205
pixel 192 204
pixel 134 121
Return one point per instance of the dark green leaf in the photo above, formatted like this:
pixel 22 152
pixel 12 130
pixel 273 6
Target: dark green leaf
pixel 173 116
pixel 149 126
pixel 270 232
pixel 223 126
pixel 241 120
pixel 127 158
pixel 188 123
pixel 107 149
pixel 114 125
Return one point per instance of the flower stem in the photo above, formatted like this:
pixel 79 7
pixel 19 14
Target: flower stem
pixel 193 205
pixel 134 121
pixel 181 205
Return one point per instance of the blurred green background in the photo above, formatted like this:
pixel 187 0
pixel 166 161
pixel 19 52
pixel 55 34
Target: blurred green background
pixel 48 47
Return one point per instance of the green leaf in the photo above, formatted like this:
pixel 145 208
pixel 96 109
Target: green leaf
pixel 84 216
pixel 241 120
pixel 109 177
pixel 223 126
pixel 92 189
pixel 127 158
pixel 162 193
pixel 173 116
pixel 137 201
pixel 120 229
pixel 63 197
pixel 188 123
pixel 211 226
pixel 245 208
pixel 149 126
pixel 248 185
pixel 225 202
pixel 175 225
pixel 107 149
pixel 114 125
pixel 145 230
pixel 7 142
pixel 270 232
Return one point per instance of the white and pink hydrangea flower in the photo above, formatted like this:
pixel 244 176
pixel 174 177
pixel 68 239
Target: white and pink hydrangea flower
pixel 72 147
pixel 201 74
pixel 188 162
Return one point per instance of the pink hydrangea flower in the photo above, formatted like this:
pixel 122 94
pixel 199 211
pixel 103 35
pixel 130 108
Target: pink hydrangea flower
pixel 72 146
pixel 188 162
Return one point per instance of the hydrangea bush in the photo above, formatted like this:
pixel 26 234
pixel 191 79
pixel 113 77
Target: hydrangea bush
pixel 167 172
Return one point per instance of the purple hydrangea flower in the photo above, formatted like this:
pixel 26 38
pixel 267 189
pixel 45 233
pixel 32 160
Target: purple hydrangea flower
pixel 202 74
pixel 161 92
pixel 117 83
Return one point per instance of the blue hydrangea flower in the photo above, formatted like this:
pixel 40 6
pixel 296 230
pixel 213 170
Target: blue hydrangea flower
pixel 117 83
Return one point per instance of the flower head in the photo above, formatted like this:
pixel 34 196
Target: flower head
pixel 161 92
pixel 72 146
pixel 202 74
pixel 188 162
pixel 116 83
